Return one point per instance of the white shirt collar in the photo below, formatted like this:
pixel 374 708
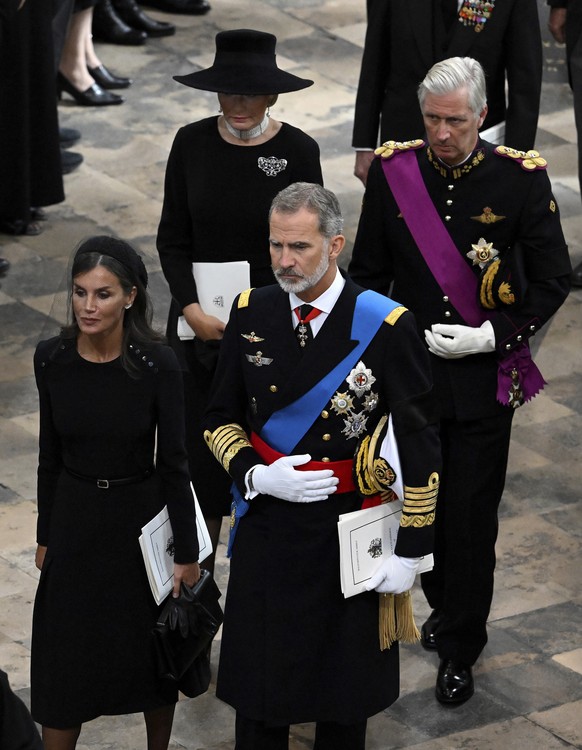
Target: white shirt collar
pixel 326 301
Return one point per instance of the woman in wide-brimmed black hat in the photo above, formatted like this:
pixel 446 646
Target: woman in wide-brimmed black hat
pixel 222 175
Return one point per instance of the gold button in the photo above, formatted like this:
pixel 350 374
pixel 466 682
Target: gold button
pixel 447 314
pixel 445 298
pixel 325 414
pixel 447 218
pixel 451 187
pixel 327 436
pixel 449 202
pixel 326 460
pixel 519 338
pixel 273 388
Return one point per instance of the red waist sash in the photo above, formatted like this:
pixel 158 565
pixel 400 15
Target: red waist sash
pixel 341 469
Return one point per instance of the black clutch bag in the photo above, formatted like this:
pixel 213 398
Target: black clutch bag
pixel 183 634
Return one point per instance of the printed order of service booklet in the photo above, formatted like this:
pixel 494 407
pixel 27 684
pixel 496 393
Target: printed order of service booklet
pixel 367 538
pixel 217 285
pixel 157 546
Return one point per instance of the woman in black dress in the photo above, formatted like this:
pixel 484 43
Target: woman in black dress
pixel 110 402
pixel 222 174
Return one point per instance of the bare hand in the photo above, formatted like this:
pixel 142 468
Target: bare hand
pixel 557 24
pixel 363 161
pixel 189 573
pixel 39 556
pixel 206 327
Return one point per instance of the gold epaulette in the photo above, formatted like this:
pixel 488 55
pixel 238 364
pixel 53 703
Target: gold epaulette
pixel 226 441
pixel 243 298
pixel 393 317
pixel 529 160
pixel 420 503
pixel 389 148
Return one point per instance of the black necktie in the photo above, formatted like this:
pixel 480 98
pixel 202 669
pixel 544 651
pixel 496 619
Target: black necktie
pixel 303 331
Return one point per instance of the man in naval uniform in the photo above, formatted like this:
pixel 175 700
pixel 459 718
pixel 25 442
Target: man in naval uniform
pixel 296 391
pixel 404 38
pixel 469 235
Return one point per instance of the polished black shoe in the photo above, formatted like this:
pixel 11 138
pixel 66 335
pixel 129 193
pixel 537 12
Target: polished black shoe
pixel 108 80
pixel 185 7
pixel 428 631
pixel 576 275
pixel 454 682
pixel 68 137
pixel 4 266
pixel 94 96
pixel 70 161
pixel 108 26
pixel 20 227
pixel 130 12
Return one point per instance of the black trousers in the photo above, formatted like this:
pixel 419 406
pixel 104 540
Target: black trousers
pixel 256 735
pixel 460 586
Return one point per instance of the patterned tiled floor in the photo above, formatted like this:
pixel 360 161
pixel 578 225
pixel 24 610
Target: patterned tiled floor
pixel 529 679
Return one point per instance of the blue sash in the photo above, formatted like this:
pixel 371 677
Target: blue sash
pixel 285 428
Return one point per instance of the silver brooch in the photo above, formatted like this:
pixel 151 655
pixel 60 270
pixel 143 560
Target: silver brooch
pixel 355 424
pixel 482 253
pixel 271 166
pixel 360 379
pixel 258 360
pixel 371 401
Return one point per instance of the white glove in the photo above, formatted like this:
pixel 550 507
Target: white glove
pixel 395 575
pixel 281 480
pixel 455 341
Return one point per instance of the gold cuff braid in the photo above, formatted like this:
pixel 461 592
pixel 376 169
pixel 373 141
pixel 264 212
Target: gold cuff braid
pixel 420 503
pixel 226 441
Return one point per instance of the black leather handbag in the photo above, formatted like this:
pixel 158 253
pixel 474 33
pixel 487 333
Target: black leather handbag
pixel 183 634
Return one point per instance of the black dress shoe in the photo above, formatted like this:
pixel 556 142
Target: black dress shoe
pixel 70 161
pixel 576 275
pixel 130 12
pixel 108 80
pixel 94 96
pixel 186 7
pixel 454 682
pixel 68 137
pixel 428 631
pixel 19 226
pixel 108 26
pixel 4 266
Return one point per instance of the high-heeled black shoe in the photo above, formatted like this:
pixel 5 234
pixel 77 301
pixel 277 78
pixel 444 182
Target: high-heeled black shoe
pixel 108 26
pixel 94 96
pixel 108 80
pixel 130 12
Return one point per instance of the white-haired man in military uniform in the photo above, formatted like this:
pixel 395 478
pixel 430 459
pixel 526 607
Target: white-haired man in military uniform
pixel 296 391
pixel 469 234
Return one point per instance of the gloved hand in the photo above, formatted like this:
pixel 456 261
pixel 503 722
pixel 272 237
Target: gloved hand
pixel 281 480
pixel 395 575
pixel 455 341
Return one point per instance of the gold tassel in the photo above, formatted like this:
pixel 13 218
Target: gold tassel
pixel 396 620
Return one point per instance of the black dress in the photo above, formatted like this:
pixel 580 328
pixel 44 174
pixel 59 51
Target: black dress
pixel 216 205
pixel 92 650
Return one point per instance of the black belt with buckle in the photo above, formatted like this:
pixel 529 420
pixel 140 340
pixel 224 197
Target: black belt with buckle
pixel 105 484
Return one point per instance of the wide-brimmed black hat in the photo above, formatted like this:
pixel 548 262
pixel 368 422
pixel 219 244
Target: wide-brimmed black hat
pixel 244 63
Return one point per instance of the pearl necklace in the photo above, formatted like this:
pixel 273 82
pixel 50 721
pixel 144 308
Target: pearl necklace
pixel 247 135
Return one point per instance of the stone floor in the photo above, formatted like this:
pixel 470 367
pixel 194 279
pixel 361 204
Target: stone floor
pixel 529 679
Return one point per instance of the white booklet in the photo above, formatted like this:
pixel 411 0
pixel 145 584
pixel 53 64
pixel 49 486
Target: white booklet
pixel 217 285
pixel 367 538
pixel 157 546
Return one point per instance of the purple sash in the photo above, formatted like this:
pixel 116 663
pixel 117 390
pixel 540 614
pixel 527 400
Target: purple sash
pixel 451 272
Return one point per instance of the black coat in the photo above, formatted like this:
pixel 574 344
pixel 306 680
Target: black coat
pixel 293 648
pixel 384 251
pixel 406 37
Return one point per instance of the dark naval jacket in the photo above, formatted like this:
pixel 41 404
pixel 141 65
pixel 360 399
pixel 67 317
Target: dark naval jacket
pixel 503 198
pixel 293 648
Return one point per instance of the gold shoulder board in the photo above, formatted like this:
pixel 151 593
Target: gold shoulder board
pixel 389 148
pixel 529 160
pixel 243 299
pixel 395 315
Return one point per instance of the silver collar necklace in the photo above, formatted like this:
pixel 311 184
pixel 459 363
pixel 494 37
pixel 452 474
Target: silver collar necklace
pixel 247 135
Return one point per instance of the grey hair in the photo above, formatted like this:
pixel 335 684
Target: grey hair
pixel 455 73
pixel 314 198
